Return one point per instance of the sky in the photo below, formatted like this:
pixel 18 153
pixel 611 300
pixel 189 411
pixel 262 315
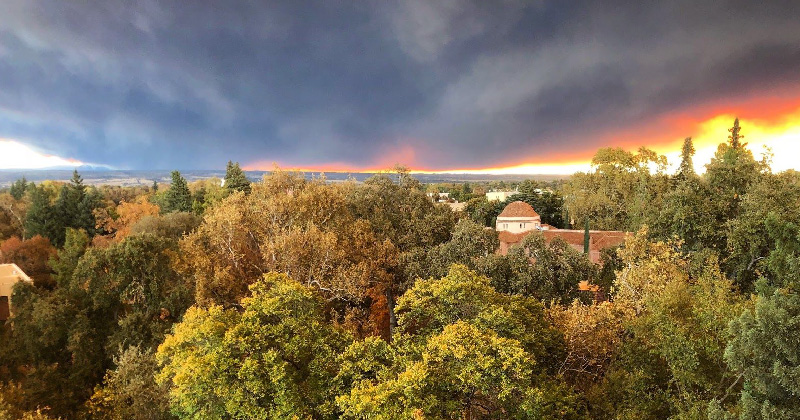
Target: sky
pixel 467 86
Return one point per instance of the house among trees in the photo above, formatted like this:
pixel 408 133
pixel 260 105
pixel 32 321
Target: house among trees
pixel 499 195
pixel 519 219
pixel 10 275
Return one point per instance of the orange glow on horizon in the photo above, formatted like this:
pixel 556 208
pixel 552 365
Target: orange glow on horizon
pixel 769 124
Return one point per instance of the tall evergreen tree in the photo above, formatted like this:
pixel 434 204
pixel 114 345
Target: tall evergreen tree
pixel 729 176
pixel 18 188
pixel 235 179
pixel 178 197
pixel 686 169
pixel 155 186
pixel 735 135
pixel 40 218
pixel 74 208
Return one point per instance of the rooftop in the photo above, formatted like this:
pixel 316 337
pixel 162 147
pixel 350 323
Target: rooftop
pixel 519 209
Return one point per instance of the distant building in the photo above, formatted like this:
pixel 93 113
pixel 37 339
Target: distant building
pixel 499 195
pixel 441 197
pixel 457 206
pixel 519 219
pixel 10 275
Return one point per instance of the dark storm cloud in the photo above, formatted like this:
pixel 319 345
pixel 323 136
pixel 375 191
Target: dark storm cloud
pixel 158 84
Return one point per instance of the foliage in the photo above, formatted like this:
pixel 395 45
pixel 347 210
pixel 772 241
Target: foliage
pixel 765 352
pixel 173 225
pixel 9 412
pixel 12 216
pixel 19 188
pixel 235 179
pixel 127 215
pixel 673 362
pixel 547 270
pixel 69 206
pixel 750 241
pixel 130 390
pixel 177 197
pixel 469 243
pixel 302 228
pixel 593 334
pixel 31 256
pixel 622 191
pixel 106 299
pixel 274 360
pixel 463 351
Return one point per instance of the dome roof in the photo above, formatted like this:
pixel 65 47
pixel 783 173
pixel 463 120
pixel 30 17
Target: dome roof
pixel 519 209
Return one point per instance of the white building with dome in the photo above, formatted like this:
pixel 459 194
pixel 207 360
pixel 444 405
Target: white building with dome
pixel 518 217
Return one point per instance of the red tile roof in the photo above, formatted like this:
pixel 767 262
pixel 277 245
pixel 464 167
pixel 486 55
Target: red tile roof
pixel 511 238
pixel 519 209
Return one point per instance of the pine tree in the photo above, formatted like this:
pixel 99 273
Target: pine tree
pixel 686 169
pixel 735 136
pixel 155 186
pixel 235 179
pixel 74 208
pixel 40 218
pixel 178 197
pixel 18 188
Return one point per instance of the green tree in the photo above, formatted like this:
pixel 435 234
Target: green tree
pixel 463 351
pixel 41 218
pixel 730 175
pixel 622 192
pixel 63 341
pixel 130 391
pixel 277 359
pixel 67 258
pixel 686 167
pixel 178 197
pixel 19 188
pixel 549 204
pixel 73 206
pixel 764 351
pixel 470 243
pixel 672 363
pixel 235 179
pixel 750 239
pixel 547 271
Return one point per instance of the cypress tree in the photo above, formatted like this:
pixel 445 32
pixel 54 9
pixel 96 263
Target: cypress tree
pixel 235 179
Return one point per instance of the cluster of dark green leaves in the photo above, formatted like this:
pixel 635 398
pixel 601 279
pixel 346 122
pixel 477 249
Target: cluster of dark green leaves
pixel 462 349
pixel 71 207
pixel 106 300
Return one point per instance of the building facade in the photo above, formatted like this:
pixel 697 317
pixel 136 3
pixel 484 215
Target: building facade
pixel 518 217
pixel 499 195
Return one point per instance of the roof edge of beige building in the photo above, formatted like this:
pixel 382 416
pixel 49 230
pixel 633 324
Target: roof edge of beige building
pixel 10 275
